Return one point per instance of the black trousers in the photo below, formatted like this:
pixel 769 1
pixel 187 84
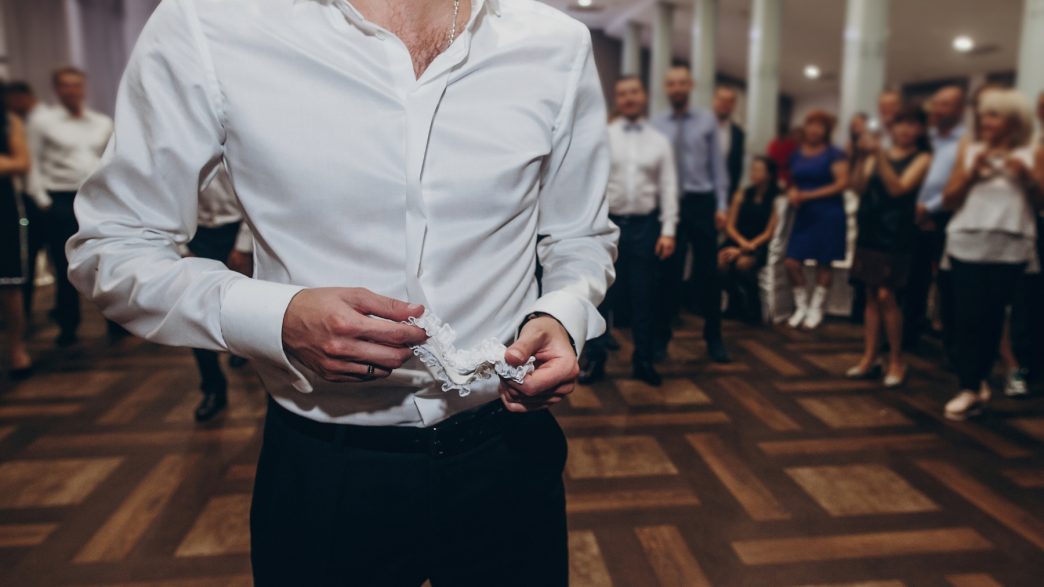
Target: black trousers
pixel 38 238
pixel 212 243
pixel 63 226
pixel 983 293
pixel 696 229
pixel 635 285
pixel 329 513
pixel 927 253
pixel 1027 316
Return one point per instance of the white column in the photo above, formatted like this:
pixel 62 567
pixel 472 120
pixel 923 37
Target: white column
pixel 763 75
pixel 703 56
pixel 631 64
pixel 863 62
pixel 1030 78
pixel 663 18
pixel 74 32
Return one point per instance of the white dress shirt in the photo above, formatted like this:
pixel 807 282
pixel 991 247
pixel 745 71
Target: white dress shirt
pixel 65 149
pixel 352 172
pixel 642 176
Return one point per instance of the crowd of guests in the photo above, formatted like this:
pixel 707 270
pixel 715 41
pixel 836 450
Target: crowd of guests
pixel 948 224
pixel 945 213
pixel 46 153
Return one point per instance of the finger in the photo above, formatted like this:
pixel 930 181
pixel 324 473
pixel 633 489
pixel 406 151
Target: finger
pixel 340 371
pixel 390 333
pixel 367 302
pixel 548 376
pixel 519 407
pixel 368 353
pixel 526 346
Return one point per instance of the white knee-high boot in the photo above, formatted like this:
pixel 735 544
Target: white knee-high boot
pixel 815 308
pixel 800 307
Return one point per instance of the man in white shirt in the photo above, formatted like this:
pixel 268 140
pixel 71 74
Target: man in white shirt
pixel 22 102
pixel 391 157
pixel 66 143
pixel 643 202
pixel 221 235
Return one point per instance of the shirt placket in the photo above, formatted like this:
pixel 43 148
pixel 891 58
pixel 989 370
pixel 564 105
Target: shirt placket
pixel 420 99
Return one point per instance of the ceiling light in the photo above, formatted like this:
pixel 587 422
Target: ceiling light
pixel 583 3
pixel 812 72
pixel 963 44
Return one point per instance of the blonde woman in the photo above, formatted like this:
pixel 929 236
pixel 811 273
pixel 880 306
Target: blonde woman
pixel 991 242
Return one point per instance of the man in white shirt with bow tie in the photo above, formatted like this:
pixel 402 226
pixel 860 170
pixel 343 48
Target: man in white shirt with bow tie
pixel 390 157
pixel 643 202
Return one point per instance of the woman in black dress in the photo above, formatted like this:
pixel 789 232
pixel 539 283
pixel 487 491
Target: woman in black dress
pixel 14 262
pixel 749 227
pixel 888 181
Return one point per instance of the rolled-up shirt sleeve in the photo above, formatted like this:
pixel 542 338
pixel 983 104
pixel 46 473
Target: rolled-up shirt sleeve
pixel 578 242
pixel 141 204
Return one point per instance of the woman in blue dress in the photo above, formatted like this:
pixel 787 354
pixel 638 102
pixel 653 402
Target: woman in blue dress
pixel 819 177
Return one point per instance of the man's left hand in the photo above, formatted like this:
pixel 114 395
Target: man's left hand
pixel 557 368
pixel 719 220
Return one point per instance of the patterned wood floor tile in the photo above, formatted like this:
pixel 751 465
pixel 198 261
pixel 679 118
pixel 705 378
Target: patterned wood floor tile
pixel 586 565
pixel 52 482
pixel 617 456
pixel 856 546
pixel 853 412
pixel 858 490
pixel 679 392
pixel 670 557
pixel 222 528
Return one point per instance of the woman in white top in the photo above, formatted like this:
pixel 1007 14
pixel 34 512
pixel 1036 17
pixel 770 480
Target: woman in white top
pixel 994 193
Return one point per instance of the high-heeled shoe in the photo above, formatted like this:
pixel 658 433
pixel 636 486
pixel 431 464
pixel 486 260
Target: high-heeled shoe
pixel 873 372
pixel 896 381
pixel 20 374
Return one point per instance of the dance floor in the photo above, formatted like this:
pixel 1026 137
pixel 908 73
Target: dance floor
pixel 771 471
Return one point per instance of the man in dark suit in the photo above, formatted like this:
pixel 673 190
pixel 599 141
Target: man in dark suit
pixel 731 135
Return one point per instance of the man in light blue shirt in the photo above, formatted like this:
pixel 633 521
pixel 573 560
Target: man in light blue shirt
pixel 946 110
pixel 704 181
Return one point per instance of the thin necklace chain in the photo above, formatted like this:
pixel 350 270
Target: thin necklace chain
pixel 453 27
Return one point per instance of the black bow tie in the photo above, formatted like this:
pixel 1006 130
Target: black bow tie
pixel 632 127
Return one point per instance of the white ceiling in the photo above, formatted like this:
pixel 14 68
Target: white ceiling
pixel 920 48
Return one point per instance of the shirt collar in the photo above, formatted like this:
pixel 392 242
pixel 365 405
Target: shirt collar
pixel 625 124
pixel 954 134
pixel 357 18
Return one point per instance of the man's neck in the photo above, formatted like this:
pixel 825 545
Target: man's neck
pixel 422 25
pixel 680 109
pixel 74 111
pixel 633 118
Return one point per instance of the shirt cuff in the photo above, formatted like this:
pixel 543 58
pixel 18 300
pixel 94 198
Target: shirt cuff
pixel 581 320
pixel 252 314
pixel 668 229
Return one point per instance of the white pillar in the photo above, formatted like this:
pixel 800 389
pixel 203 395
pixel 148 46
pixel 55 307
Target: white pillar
pixel 1030 78
pixel 703 56
pixel 631 64
pixel 763 75
pixel 863 62
pixel 663 20
pixel 74 32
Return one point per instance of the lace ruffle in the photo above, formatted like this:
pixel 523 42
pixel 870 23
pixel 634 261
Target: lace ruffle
pixel 456 369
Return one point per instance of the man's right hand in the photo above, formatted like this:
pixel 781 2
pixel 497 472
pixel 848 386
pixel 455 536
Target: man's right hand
pixel 339 333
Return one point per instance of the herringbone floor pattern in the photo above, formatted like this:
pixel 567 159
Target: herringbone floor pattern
pixel 771 471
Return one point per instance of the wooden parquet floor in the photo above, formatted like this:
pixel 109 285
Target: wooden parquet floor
pixel 771 471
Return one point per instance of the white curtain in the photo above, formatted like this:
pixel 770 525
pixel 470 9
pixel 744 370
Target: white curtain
pixel 99 38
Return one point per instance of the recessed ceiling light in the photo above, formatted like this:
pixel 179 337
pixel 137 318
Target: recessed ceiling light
pixel 963 44
pixel 583 3
pixel 812 72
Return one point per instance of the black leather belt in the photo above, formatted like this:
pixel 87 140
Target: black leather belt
pixel 621 220
pixel 455 435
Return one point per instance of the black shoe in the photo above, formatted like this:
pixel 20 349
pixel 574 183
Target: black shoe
pixel 592 372
pixel 659 354
pixel 717 353
pixel 611 343
pixel 644 371
pixel 20 374
pixel 211 405
pixel 66 340
pixel 236 362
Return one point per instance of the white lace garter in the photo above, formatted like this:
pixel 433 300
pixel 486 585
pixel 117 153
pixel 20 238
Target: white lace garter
pixel 457 368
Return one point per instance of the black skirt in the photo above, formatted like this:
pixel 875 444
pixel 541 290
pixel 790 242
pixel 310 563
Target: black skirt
pixel 14 236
